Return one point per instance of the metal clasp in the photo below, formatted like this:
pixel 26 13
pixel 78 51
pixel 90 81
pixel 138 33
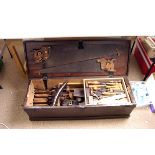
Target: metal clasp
pixel 45 79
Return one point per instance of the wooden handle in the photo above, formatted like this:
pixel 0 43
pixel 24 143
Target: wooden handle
pixel 40 100
pixel 40 104
pixel 108 94
pixel 41 91
pixel 41 95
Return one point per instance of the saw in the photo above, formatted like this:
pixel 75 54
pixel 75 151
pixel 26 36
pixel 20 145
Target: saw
pixel 106 64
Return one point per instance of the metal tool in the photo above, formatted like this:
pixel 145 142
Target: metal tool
pixel 108 66
pixel 105 92
pixel 58 92
pixel 40 55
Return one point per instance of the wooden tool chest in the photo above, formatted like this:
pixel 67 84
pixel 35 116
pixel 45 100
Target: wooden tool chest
pixel 77 78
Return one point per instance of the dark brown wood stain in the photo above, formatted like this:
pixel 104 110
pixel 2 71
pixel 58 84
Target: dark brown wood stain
pixel 65 50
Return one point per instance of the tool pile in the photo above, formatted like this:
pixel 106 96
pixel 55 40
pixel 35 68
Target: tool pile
pixel 105 92
pixel 63 94
pixel 71 96
pixel 95 92
pixel 43 97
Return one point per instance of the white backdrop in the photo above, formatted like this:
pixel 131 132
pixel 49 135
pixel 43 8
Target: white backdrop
pixel 63 18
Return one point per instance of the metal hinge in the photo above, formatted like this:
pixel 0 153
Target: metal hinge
pixel 111 74
pixel 45 79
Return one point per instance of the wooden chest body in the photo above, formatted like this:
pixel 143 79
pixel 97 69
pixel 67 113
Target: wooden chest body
pixel 75 59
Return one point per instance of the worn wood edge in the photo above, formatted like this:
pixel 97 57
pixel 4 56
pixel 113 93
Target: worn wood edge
pixel 74 38
pixel 129 90
pixel 30 95
pixel 38 84
pixel 125 88
pixel 53 82
pixel 125 116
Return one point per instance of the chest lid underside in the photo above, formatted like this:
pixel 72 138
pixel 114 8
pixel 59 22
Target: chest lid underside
pixel 77 57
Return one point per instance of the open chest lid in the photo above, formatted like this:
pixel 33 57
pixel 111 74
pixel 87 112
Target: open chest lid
pixel 69 57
